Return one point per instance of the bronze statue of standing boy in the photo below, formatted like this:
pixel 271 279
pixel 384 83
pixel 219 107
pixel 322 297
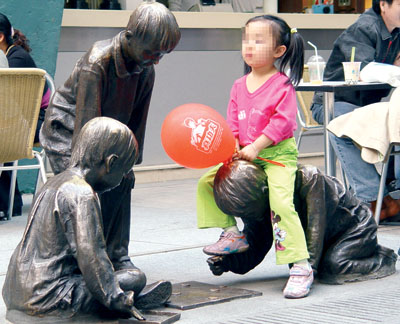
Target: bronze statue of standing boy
pixel 115 79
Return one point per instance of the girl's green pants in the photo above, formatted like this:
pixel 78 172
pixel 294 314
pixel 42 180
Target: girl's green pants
pixel 289 238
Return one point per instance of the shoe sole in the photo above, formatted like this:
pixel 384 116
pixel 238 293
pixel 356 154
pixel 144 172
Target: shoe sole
pixel 298 297
pixel 155 295
pixel 241 250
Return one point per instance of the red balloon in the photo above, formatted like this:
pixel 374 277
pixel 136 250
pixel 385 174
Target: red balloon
pixel 197 136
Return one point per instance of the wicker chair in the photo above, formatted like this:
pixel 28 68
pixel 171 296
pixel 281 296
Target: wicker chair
pixel 21 91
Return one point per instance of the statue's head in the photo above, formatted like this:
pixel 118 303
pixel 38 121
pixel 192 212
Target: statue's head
pixel 106 150
pixel 152 32
pixel 241 189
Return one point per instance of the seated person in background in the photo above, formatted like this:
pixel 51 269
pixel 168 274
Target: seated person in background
pixel 16 48
pixel 69 271
pixel 382 120
pixel 375 35
pixel 184 5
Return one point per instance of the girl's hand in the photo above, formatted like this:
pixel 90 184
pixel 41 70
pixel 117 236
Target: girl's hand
pixel 248 153
pixel 235 156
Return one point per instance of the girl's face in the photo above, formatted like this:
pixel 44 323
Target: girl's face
pixel 258 45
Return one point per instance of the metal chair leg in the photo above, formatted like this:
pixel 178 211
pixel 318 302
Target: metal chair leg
pixel 381 191
pixel 12 191
pixel 299 139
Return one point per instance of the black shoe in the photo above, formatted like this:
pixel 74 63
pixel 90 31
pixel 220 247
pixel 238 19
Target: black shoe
pixel 154 295
pixel 17 211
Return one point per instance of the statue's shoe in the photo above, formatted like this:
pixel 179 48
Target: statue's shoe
pixel 154 295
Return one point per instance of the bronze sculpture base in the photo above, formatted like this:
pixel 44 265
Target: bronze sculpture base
pixel 152 317
pixel 193 294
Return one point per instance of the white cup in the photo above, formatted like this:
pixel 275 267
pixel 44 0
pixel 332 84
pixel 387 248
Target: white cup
pixel 316 72
pixel 351 72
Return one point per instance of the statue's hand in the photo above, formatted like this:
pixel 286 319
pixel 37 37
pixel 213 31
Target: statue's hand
pixel 136 314
pixel 215 264
pixel 125 303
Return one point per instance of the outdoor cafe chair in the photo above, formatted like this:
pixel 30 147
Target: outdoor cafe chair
pixel 21 91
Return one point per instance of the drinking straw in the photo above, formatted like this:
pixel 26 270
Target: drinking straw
pixel 353 52
pixel 316 55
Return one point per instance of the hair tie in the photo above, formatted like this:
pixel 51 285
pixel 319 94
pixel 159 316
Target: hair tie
pixel 293 30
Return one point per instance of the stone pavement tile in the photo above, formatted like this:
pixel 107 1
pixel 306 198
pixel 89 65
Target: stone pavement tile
pixel 268 278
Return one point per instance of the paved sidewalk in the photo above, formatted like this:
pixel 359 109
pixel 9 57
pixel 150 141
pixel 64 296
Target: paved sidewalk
pixel 166 244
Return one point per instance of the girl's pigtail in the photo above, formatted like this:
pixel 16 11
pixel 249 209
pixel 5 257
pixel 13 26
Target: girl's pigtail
pixel 294 57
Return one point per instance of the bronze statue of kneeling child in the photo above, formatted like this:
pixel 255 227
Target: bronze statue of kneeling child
pixel 340 230
pixel 61 267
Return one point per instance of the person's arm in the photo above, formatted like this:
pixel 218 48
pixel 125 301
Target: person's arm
pixel 362 36
pixel 251 151
pixel 88 98
pixel 232 118
pixel 79 211
pixel 232 113
pixel 283 122
pixel 363 39
pixel 138 120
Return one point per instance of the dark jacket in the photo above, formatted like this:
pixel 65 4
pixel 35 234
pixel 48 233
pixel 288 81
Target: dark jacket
pixel 99 85
pixel 372 42
pixel 19 58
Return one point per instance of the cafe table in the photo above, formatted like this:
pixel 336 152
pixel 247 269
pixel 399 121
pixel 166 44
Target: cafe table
pixel 329 89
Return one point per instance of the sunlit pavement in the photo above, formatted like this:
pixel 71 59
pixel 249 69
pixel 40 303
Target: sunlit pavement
pixel 166 244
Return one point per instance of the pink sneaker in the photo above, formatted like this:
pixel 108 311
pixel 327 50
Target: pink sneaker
pixel 299 283
pixel 228 243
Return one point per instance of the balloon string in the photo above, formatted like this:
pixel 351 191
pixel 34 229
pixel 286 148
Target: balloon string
pixel 270 161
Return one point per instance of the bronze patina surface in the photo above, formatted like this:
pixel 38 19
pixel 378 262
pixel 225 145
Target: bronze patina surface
pixel 193 294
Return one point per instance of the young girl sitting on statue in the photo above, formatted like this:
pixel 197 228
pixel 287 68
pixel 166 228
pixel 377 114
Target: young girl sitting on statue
pixel 262 116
